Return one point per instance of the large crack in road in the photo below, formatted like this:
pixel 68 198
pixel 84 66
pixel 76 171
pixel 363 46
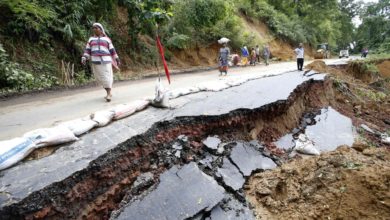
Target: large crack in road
pixel 158 163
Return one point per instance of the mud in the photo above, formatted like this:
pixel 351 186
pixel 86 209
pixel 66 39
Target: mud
pixel 343 184
pixel 348 183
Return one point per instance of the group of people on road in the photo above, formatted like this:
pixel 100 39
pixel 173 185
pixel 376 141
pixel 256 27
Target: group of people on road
pixel 255 56
pixel 247 57
pixel 101 52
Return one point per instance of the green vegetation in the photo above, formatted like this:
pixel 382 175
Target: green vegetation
pixel 37 36
pixel 374 32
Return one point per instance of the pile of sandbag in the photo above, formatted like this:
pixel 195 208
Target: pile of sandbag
pixel 14 150
pixel 214 86
pixel 182 91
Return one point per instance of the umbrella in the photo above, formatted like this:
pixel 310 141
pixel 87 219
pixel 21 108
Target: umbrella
pixel 223 40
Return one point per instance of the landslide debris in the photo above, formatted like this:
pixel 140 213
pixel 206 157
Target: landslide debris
pixel 343 184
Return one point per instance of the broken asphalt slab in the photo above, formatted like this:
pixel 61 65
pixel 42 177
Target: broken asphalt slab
pixel 231 175
pixel 231 209
pixel 331 130
pixel 181 194
pixel 248 159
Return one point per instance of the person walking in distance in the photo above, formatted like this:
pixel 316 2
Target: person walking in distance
pixel 258 53
pixel 245 55
pixel 253 57
pixel 101 52
pixel 266 54
pixel 300 56
pixel 223 58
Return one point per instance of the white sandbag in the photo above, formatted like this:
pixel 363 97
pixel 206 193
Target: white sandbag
pixel 14 150
pixel 179 92
pixel 125 110
pixel 103 117
pixel 193 89
pixel 213 86
pixel 51 136
pixel 305 146
pixel 79 126
pixel 140 104
pixel 161 97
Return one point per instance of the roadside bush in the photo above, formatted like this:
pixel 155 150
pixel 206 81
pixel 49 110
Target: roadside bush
pixel 289 28
pixel 11 76
pixel 199 19
pixel 178 41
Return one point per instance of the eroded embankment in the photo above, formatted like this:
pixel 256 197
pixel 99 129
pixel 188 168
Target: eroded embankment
pixel 94 192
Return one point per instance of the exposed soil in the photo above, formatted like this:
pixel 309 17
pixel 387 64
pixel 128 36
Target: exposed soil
pixel 384 69
pixel 280 49
pixel 349 183
pixel 365 103
pixel 344 184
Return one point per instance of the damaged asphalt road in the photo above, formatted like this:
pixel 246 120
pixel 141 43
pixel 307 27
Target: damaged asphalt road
pixel 94 177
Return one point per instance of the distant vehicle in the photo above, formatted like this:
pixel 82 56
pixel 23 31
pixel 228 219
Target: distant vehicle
pixel 322 52
pixel 344 53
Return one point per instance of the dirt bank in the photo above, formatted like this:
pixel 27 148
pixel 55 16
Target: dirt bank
pixel 280 49
pixel 349 183
pixel 344 184
pixel 365 102
pixel 384 68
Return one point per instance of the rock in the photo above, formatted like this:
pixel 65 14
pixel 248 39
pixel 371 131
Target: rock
pixel 212 143
pixel 286 142
pixel 182 193
pixel 360 146
pixel 220 150
pixel 248 159
pixel 177 146
pixel 231 209
pixel 366 128
pixel 207 161
pixel 142 180
pixel 177 154
pixel 385 138
pixel 231 175
pixel 183 138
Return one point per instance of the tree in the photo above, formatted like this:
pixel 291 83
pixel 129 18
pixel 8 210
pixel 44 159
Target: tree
pixel 374 32
pixel 144 15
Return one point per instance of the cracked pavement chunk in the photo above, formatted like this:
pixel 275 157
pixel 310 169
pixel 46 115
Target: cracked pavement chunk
pixel 231 175
pixel 182 193
pixel 331 130
pixel 248 159
pixel 212 143
pixel 231 209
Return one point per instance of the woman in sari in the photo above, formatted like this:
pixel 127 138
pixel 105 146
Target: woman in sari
pixel 101 52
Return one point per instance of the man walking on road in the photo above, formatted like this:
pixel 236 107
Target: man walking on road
pixel 300 56
pixel 258 53
pixel 266 54
pixel 103 56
